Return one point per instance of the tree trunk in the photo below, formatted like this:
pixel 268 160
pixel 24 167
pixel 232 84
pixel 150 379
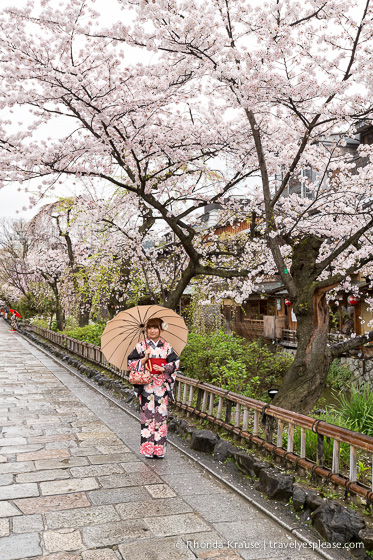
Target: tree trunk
pixel 59 310
pixel 84 313
pixel 59 316
pixel 305 380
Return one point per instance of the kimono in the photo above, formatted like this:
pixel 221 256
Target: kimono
pixel 154 396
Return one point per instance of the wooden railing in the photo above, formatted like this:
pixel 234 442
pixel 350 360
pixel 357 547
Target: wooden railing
pixel 243 417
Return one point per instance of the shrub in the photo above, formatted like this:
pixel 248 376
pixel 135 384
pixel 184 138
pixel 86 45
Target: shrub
pixel 338 375
pixel 90 333
pixel 232 363
pixel 356 410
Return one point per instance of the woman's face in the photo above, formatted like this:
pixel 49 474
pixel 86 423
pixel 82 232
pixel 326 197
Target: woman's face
pixel 153 332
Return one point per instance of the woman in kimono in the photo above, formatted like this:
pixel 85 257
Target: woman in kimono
pixel 154 396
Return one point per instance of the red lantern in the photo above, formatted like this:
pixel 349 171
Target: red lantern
pixel 353 300
pixel 288 302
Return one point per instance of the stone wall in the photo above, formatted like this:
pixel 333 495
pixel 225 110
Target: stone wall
pixel 362 370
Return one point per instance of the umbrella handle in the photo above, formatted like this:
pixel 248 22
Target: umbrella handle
pixel 146 347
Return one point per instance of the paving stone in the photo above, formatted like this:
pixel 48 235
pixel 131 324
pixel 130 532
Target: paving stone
pixel 115 533
pixel 42 455
pixel 96 470
pixel 133 510
pixel 98 442
pixel 60 556
pixel 65 463
pixel 61 444
pixel 12 442
pixel 215 509
pixel 4 528
pixel 41 476
pixel 28 524
pixel 18 491
pixel 160 491
pixel 129 479
pixel 8 510
pixel 68 486
pixel 194 483
pixel 52 503
pixel 108 449
pixel 113 458
pixel 96 435
pixel 173 548
pixel 3 459
pixel 6 479
pixel 83 451
pixel 21 449
pixel 103 554
pixel 19 547
pixel 176 524
pixel 118 495
pixel 14 468
pixel 53 437
pixel 81 517
pixel 62 540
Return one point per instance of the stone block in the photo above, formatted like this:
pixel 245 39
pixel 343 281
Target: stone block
pixel 6 479
pixel 245 462
pixel 81 517
pixel 45 454
pixel 156 508
pixel 221 450
pixel 4 528
pixel 20 547
pixel 51 503
pixel 366 535
pixel 18 491
pixel 28 524
pixel 114 533
pixel 299 497
pixel 171 525
pixel 337 524
pixel 42 476
pixel 14 468
pixel 96 470
pixel 118 495
pixel 103 554
pixel 68 486
pixel 275 484
pixel 160 491
pixel 63 540
pixel 110 458
pixel 7 509
pixel 203 440
pixel 172 548
pixel 313 501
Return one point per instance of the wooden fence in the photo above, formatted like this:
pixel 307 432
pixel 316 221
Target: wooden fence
pixel 243 417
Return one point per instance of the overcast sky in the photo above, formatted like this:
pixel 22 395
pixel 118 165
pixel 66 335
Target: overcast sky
pixel 13 201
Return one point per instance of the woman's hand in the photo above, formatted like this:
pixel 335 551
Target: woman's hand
pixel 147 356
pixel 159 368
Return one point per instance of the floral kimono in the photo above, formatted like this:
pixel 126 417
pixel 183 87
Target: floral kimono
pixel 154 396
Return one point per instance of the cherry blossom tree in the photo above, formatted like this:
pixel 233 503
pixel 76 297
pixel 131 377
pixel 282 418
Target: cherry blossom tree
pixel 299 78
pixel 256 96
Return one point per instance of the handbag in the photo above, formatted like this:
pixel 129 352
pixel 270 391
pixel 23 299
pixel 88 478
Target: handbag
pixel 140 377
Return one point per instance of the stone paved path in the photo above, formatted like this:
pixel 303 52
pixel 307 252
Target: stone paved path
pixel 73 487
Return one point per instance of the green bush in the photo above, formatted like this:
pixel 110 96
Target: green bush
pixel 232 363
pixel 356 410
pixel 338 376
pixel 90 333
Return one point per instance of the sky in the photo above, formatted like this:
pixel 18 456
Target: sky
pixel 14 203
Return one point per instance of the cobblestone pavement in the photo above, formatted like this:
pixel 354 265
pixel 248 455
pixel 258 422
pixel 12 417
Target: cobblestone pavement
pixel 73 486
